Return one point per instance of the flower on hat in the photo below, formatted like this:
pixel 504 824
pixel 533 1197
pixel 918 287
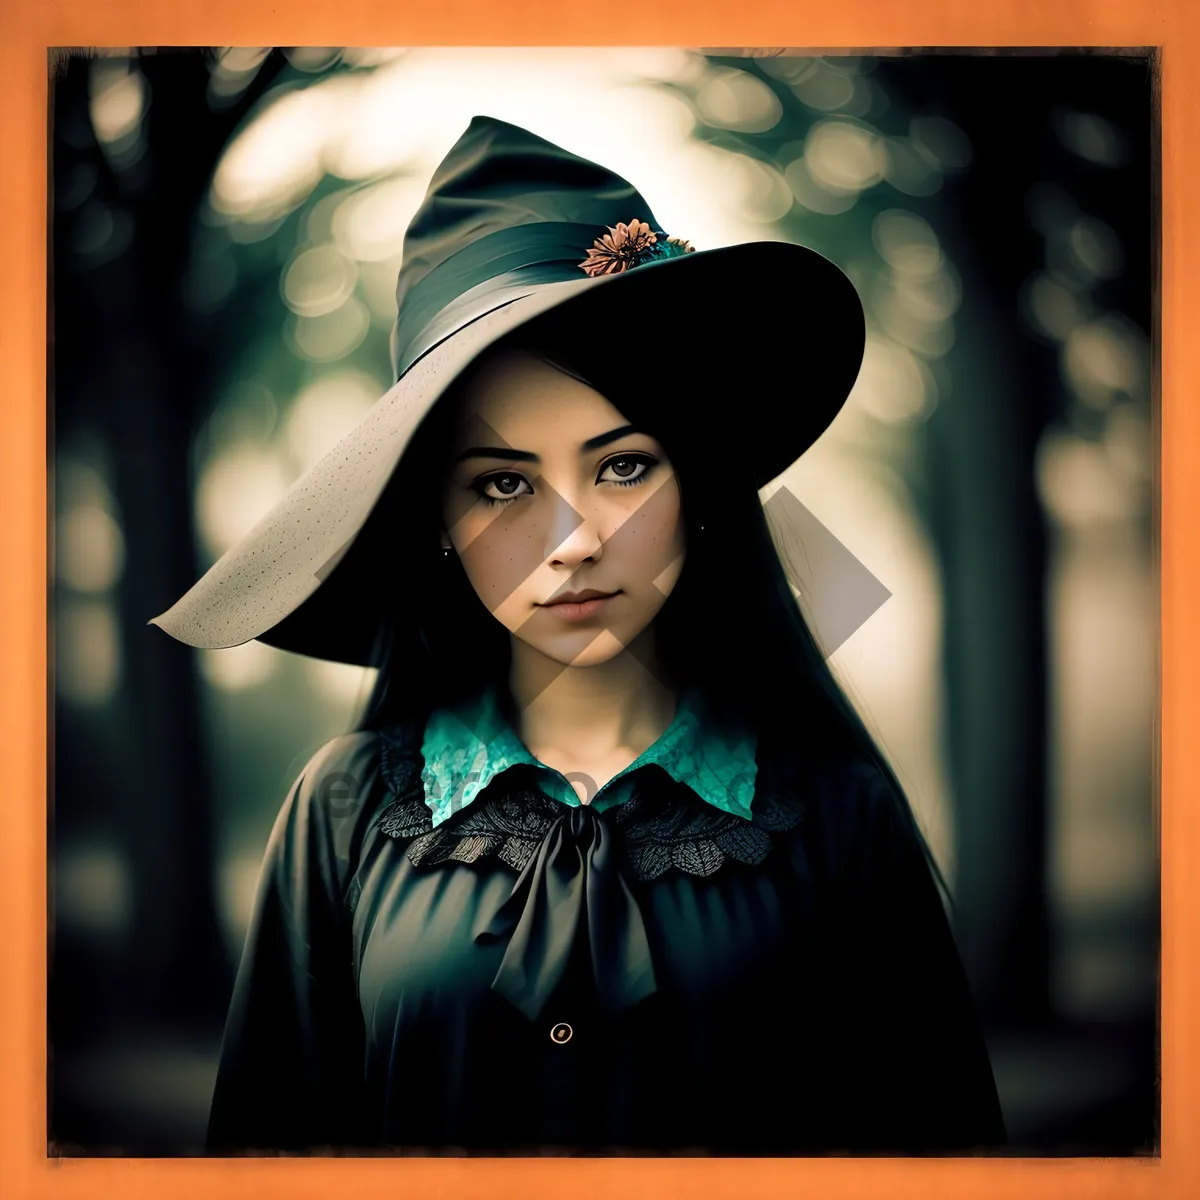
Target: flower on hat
pixel 672 247
pixel 626 246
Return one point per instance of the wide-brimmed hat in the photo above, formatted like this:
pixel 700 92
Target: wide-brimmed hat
pixel 512 227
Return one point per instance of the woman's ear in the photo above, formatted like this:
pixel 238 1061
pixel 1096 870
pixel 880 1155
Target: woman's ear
pixel 445 540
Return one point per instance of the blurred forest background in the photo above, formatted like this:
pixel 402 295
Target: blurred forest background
pixel 225 232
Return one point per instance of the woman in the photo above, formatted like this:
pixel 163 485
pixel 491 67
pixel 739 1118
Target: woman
pixel 610 865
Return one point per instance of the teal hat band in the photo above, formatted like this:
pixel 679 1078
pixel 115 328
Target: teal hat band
pixel 507 210
pixel 501 266
pixel 478 277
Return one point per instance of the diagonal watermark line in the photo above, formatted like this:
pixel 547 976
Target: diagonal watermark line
pixel 653 510
pixel 522 555
pixel 838 593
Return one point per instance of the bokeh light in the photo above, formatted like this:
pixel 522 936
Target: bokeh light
pixel 377 282
pixel 942 141
pixel 325 412
pixel 236 489
pixel 893 386
pixel 239 668
pixel 399 119
pixel 1095 250
pixel 1091 137
pixel 931 298
pixel 907 242
pixel 246 410
pixel 1128 446
pixel 80 477
pixel 1054 305
pixel 820 86
pixel 908 168
pixel 332 335
pixel 759 190
pixel 339 684
pixel 87 650
pixel 369 225
pixel 812 195
pixel 118 100
pixel 233 71
pixel 914 300
pixel 93 890
pixel 313 58
pixel 276 160
pixel 1105 358
pixel 842 156
pixel 318 281
pixel 1078 485
pixel 89 550
pixel 733 99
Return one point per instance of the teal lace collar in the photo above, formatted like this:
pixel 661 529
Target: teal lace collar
pixel 466 746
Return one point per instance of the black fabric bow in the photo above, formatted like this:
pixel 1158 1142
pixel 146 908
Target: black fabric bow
pixel 573 878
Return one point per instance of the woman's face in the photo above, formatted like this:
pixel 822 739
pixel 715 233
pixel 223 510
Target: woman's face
pixel 552 493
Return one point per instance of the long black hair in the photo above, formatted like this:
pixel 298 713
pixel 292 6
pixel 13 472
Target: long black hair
pixel 731 625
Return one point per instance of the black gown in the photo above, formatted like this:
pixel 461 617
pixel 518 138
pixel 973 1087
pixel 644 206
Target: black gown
pixel 660 978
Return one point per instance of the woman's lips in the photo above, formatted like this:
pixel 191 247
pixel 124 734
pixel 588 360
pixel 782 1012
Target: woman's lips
pixel 579 610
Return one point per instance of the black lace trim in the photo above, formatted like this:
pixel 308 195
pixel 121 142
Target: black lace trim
pixel 663 825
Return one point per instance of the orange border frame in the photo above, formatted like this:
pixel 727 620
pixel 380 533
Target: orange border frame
pixel 34 25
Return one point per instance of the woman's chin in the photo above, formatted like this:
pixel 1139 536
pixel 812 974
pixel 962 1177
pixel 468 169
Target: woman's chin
pixel 579 648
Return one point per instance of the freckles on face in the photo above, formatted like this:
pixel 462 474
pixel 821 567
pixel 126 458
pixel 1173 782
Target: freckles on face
pixel 552 492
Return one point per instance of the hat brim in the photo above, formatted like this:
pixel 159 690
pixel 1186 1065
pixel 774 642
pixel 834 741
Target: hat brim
pixel 778 322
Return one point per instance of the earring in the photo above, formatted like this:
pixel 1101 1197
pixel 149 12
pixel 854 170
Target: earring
pixel 445 551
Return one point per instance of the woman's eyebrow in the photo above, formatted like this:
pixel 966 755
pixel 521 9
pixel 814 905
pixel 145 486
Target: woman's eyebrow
pixel 511 455
pixel 602 439
pixel 506 452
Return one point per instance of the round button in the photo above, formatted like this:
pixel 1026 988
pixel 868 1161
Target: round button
pixel 561 1033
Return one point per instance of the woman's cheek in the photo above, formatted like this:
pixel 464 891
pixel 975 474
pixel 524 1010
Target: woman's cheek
pixel 665 581
pixel 500 556
pixel 651 541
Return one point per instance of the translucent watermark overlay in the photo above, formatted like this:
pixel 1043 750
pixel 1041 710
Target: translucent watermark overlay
pixel 341 794
pixel 838 595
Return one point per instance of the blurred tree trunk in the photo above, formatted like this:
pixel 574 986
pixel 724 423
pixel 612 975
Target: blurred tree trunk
pixel 990 534
pixel 987 521
pixel 126 368
pixel 986 514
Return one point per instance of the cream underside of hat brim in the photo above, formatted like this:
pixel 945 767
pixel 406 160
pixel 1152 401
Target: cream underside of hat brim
pixel 286 555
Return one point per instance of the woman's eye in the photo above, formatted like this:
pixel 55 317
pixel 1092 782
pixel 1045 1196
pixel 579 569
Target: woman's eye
pixel 500 489
pixel 626 469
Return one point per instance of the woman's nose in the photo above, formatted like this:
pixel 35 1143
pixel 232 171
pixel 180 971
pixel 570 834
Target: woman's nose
pixel 573 537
